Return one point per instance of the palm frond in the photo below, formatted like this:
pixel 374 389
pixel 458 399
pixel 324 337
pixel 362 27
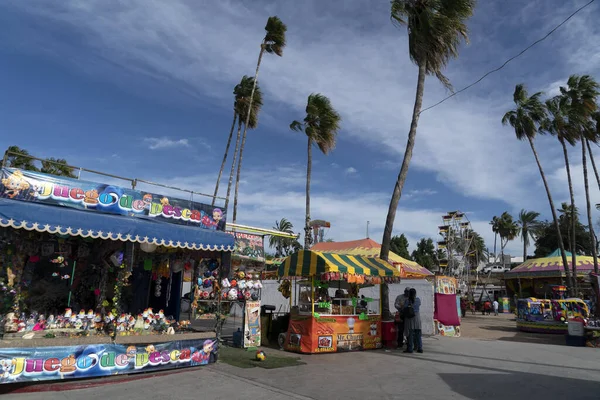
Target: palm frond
pixel 436 28
pixel 275 40
pixel 242 92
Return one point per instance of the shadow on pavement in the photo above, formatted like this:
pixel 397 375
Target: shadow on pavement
pixel 510 361
pixel 525 337
pixel 516 386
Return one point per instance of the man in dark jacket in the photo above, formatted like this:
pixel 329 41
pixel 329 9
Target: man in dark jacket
pixel 399 305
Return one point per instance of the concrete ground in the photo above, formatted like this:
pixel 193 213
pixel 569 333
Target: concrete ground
pixel 500 364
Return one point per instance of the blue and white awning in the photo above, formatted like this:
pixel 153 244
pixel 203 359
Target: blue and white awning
pixel 68 221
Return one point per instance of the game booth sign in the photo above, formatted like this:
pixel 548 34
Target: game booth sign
pixel 97 265
pixel 330 315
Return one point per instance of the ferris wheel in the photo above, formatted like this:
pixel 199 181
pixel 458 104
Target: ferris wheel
pixel 456 244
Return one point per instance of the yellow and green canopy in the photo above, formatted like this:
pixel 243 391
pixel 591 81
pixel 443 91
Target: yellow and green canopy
pixel 311 263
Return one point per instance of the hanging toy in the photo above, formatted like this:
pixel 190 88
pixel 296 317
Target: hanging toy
pixel 286 289
pixel 213 264
pixel 55 274
pixel 207 274
pixel 157 288
pixel 65 277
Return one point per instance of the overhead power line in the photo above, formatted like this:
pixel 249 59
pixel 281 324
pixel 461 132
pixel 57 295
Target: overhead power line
pixel 510 59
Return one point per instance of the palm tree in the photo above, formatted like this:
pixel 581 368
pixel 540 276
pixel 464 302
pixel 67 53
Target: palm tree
pixel 58 167
pixel 557 124
pixel 435 30
pixel 529 228
pixel 596 131
pixel 321 126
pixel 581 94
pixel 16 157
pixel 495 223
pixel 273 43
pixel 525 119
pixel 281 244
pixel 508 230
pixel 225 155
pixel 569 215
pixel 242 94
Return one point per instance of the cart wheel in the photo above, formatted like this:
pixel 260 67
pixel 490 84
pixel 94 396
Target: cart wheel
pixel 281 339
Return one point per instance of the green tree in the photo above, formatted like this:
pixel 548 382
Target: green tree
pixel 272 43
pixel 17 157
pixel 242 95
pixel 435 31
pixel 284 246
pixel 525 119
pixel 425 254
pixel 529 226
pixel 547 240
pixel 477 249
pixel 321 126
pixel 495 223
pixel 508 231
pixel 58 167
pixel 399 245
pixel 581 94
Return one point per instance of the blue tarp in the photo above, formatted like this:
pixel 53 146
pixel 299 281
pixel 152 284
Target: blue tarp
pixel 68 221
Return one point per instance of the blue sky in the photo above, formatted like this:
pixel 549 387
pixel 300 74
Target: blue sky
pixel 144 90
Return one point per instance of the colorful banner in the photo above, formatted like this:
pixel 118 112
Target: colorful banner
pixel 86 361
pixel 248 246
pixel 67 192
pixel 252 324
pixel 328 334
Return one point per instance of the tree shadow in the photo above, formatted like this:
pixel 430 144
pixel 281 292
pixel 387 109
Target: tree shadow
pixel 509 361
pixel 520 385
pixel 526 337
pixel 503 384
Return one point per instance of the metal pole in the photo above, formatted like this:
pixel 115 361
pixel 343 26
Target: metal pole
pixel 368 229
pixel 71 286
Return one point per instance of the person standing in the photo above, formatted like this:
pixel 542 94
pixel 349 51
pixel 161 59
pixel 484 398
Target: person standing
pixel 399 305
pixel 495 307
pixel 412 322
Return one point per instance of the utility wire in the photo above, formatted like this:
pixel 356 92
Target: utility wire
pixel 510 59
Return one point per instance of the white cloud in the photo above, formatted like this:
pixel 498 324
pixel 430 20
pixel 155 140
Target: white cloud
pixel 351 170
pixel 165 143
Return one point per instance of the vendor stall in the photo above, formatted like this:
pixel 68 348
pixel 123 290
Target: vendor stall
pixel 95 264
pixel 329 312
pixel 540 276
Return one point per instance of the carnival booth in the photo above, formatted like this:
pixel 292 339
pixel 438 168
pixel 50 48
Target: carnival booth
pixel 329 314
pixel 537 277
pixel 101 267
pixel 412 274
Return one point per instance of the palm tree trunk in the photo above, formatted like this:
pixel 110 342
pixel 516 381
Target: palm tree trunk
pixel 391 216
pixel 260 55
pixel 410 144
pixel 237 178
pixel 495 254
pixel 235 154
pixel 572 234
pixel 224 158
pixel 589 207
pixel 587 142
pixel 307 237
pixel 525 246
pixel 561 244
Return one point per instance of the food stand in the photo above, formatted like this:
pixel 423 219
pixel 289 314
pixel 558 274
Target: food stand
pixel 330 315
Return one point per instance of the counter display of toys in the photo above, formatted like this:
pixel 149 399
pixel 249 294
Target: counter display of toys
pixel 84 323
pixel 243 286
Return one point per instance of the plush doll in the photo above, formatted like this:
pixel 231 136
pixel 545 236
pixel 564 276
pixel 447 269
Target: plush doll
pixel 68 313
pixel 81 314
pixel 90 314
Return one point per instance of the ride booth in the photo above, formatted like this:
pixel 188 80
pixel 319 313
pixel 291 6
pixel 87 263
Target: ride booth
pixel 91 278
pixel 328 313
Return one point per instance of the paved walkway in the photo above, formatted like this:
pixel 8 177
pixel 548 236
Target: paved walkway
pixel 451 368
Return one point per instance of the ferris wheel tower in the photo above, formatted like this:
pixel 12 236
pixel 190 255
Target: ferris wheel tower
pixel 456 244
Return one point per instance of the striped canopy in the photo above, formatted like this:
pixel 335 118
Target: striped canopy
pixel 310 263
pixel 370 248
pixel 551 266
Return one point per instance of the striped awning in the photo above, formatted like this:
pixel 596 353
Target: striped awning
pixel 310 263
